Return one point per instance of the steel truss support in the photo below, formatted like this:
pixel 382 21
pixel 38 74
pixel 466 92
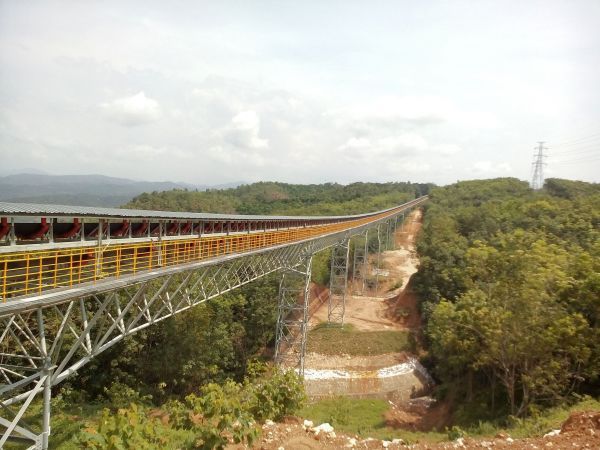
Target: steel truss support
pixel 395 230
pixel 360 263
pixel 45 339
pixel 378 258
pixel 338 282
pixel 292 316
pixel 389 245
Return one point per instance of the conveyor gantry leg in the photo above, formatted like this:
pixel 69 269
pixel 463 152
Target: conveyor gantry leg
pixel 292 316
pixel 377 268
pixel 338 282
pixel 360 266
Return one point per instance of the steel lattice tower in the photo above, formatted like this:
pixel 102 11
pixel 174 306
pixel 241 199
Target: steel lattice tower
pixel 537 180
pixel 338 282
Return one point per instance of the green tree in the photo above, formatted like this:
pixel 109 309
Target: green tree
pixel 510 322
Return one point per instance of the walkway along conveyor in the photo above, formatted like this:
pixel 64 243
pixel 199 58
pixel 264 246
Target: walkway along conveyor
pixel 44 247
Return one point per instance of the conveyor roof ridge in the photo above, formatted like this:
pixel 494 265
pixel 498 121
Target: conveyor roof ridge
pixel 36 209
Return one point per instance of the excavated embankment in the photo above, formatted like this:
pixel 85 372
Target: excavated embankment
pixel 398 383
pixel 395 377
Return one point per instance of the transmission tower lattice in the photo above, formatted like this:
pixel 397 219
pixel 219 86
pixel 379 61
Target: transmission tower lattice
pixel 537 180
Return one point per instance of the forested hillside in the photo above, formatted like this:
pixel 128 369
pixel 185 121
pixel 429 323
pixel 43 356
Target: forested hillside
pixel 510 284
pixel 285 199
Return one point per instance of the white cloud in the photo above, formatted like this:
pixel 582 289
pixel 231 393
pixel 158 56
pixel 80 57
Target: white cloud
pixel 398 145
pixel 356 144
pixel 447 149
pixel 396 111
pixel 133 110
pixel 228 94
pixel 490 168
pixel 243 132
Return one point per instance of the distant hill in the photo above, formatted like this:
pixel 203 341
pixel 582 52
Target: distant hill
pixel 83 190
pixel 283 198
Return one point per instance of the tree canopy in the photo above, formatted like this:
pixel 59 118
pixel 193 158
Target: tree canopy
pixel 510 280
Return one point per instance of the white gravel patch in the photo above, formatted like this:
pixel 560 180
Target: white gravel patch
pixel 316 374
pixel 411 365
pixel 398 369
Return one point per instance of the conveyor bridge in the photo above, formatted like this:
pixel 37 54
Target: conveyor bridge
pixel 76 280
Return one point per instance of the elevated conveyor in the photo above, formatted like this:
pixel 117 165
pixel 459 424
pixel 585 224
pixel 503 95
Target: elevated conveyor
pixel 75 281
pixel 45 247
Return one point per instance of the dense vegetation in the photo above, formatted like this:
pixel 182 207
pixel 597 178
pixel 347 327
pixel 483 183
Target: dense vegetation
pixel 510 281
pixel 285 199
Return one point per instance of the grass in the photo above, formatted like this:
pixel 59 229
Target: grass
pixel 365 418
pixel 539 424
pixel 335 340
pixel 362 417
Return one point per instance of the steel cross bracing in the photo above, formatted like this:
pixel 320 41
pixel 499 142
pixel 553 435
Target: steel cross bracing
pixel 338 281
pixel 377 258
pixel 47 338
pixel 292 315
pixel 360 262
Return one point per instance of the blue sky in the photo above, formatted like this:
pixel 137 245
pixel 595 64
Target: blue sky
pixel 214 92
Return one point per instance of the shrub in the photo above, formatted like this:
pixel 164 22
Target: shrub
pixel 272 392
pixel 128 429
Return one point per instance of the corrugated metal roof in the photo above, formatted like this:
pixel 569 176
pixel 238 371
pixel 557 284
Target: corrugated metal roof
pixel 31 209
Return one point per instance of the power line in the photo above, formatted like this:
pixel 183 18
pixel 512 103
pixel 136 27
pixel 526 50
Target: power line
pixel 584 159
pixel 578 152
pixel 577 140
pixel 537 181
pixel 575 147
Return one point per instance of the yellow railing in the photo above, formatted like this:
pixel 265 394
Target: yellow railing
pixel 32 272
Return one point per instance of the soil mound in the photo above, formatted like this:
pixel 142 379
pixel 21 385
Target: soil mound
pixel 581 421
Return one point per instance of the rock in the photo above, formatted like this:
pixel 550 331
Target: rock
pixel 280 448
pixel 552 433
pixel 397 441
pixel 269 423
pixel 510 440
pixel 459 443
pixel 308 424
pixel 324 427
pixel 351 443
pixel 386 444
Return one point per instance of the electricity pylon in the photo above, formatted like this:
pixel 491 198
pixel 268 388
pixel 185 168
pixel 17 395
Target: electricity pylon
pixel 537 181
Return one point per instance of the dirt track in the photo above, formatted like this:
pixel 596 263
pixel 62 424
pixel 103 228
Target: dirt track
pixel 580 431
pixel 386 310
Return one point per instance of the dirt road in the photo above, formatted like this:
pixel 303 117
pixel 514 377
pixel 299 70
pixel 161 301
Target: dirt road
pixel 386 309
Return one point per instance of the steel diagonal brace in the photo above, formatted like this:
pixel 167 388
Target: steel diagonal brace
pixel 58 340
pixel 10 426
pixel 81 338
pixel 19 343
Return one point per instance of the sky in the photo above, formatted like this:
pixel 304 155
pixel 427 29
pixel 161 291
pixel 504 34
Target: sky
pixel 210 92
